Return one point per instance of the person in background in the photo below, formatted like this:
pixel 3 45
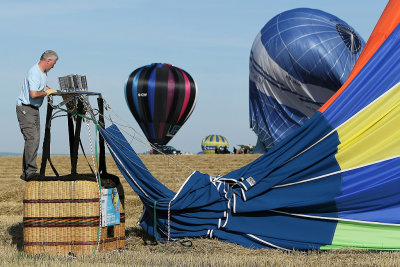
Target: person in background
pixel 34 89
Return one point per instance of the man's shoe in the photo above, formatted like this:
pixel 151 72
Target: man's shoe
pixel 31 176
pixel 23 177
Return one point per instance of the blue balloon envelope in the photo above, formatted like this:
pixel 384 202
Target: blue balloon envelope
pixel 298 60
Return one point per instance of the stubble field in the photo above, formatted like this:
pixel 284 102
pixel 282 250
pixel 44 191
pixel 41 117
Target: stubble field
pixel 141 250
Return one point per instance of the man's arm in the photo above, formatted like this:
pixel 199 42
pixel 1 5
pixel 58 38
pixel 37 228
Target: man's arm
pixel 36 94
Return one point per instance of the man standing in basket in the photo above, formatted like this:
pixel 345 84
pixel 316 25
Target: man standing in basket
pixel 34 89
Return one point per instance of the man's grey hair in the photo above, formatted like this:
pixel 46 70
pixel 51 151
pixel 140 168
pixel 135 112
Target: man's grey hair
pixel 49 54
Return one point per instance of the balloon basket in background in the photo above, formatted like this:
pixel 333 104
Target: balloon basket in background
pixel 62 216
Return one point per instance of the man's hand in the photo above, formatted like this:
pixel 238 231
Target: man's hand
pixel 50 91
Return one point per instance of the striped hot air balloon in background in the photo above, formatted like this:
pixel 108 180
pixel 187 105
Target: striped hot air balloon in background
pixel 161 97
pixel 213 142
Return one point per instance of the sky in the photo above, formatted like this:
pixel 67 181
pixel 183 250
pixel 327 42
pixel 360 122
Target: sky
pixel 107 40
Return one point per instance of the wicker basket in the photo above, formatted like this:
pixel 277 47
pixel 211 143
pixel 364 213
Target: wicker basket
pixel 62 217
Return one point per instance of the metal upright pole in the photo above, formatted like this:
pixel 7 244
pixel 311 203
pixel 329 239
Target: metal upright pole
pixel 46 140
pixel 75 145
pixel 102 160
pixel 70 134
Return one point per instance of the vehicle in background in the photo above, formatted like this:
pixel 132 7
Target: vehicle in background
pixel 165 150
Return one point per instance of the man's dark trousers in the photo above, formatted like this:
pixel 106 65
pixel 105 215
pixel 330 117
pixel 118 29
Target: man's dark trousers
pixel 29 123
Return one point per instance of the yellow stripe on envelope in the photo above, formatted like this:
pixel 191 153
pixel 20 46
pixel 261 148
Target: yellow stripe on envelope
pixel 373 134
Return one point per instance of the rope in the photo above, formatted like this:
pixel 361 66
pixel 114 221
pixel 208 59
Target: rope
pixel 107 107
pixel 120 142
pixel 75 113
pixel 146 143
pixel 185 242
pixel 133 136
pixel 122 152
pixel 169 220
pixel 83 151
pixel 155 221
pixel 98 180
pixel 99 183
